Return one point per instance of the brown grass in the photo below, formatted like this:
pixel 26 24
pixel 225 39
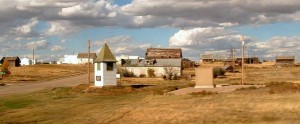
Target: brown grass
pixel 43 72
pixel 127 105
pixel 276 103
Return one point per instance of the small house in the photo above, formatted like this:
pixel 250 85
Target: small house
pixel 207 58
pixel 188 63
pixel 83 58
pixel 285 60
pixel 13 61
pixel 105 68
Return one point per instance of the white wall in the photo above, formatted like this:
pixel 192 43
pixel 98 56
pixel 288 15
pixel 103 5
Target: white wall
pixel 158 71
pixel 107 77
pixel 70 59
pixel 26 61
pixel 84 60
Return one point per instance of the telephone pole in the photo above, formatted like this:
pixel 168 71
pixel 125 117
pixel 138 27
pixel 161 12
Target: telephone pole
pixel 89 47
pixel 243 45
pixel 33 62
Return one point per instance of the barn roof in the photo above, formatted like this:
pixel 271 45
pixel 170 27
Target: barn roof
pixel 11 58
pixel 285 57
pixel 163 53
pixel 105 55
pixel 85 55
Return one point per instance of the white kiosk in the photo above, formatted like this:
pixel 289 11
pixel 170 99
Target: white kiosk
pixel 105 68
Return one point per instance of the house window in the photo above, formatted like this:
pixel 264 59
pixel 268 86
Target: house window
pixel 110 66
pixel 98 66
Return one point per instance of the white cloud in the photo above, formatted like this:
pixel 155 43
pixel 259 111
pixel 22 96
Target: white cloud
pixel 38 45
pixel 219 40
pixel 63 41
pixel 57 48
pixel 60 28
pixel 27 28
pixel 124 45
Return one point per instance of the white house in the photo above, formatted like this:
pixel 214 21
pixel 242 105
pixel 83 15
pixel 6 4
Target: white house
pixel 82 58
pixel 105 68
pixel 68 59
pixel 26 61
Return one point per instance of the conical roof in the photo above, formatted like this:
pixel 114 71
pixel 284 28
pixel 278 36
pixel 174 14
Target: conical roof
pixel 105 55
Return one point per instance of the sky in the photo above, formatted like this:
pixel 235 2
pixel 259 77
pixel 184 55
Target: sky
pixel 62 27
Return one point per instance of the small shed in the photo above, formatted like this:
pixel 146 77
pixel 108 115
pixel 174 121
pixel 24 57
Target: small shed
pixel 285 60
pixel 13 61
pixel 105 68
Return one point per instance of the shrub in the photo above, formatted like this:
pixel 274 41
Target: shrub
pixel 125 73
pixel 5 68
pixel 142 75
pixel 170 73
pixel 151 72
pixel 218 71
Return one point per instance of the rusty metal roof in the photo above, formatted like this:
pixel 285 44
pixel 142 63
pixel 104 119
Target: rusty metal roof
pixel 85 55
pixel 285 57
pixel 163 53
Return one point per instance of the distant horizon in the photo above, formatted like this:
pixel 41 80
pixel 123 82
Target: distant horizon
pixel 57 28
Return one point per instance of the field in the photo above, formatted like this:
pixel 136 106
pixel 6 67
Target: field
pixel 278 102
pixel 43 72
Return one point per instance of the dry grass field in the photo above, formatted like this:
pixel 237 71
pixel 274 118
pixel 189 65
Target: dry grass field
pixel 43 72
pixel 278 102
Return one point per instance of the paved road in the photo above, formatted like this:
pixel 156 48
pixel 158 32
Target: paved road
pixel 35 86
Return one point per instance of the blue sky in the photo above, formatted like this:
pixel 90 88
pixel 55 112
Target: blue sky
pixel 129 27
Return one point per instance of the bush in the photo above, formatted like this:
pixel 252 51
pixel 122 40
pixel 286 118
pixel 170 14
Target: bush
pixel 218 71
pixel 151 72
pixel 170 73
pixel 125 73
pixel 5 68
pixel 142 75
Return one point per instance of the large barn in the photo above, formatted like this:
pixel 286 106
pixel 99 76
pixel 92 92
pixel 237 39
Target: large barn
pixel 157 59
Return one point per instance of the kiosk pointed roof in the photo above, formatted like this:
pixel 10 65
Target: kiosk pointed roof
pixel 105 55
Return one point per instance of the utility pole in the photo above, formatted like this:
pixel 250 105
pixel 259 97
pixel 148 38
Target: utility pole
pixel 243 45
pixel 89 47
pixel 33 62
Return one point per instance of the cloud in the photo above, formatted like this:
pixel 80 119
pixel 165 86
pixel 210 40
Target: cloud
pixel 219 41
pixel 124 45
pixel 277 46
pixel 27 28
pixel 57 48
pixel 38 45
pixel 60 28
pixel 217 12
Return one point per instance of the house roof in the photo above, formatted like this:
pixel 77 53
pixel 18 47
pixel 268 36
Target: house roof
pixel 11 58
pixel 85 55
pixel 285 57
pixel 163 53
pixel 105 55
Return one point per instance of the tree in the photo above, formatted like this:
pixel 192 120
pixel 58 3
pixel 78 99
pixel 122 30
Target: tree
pixel 151 72
pixel 170 73
pixel 5 68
